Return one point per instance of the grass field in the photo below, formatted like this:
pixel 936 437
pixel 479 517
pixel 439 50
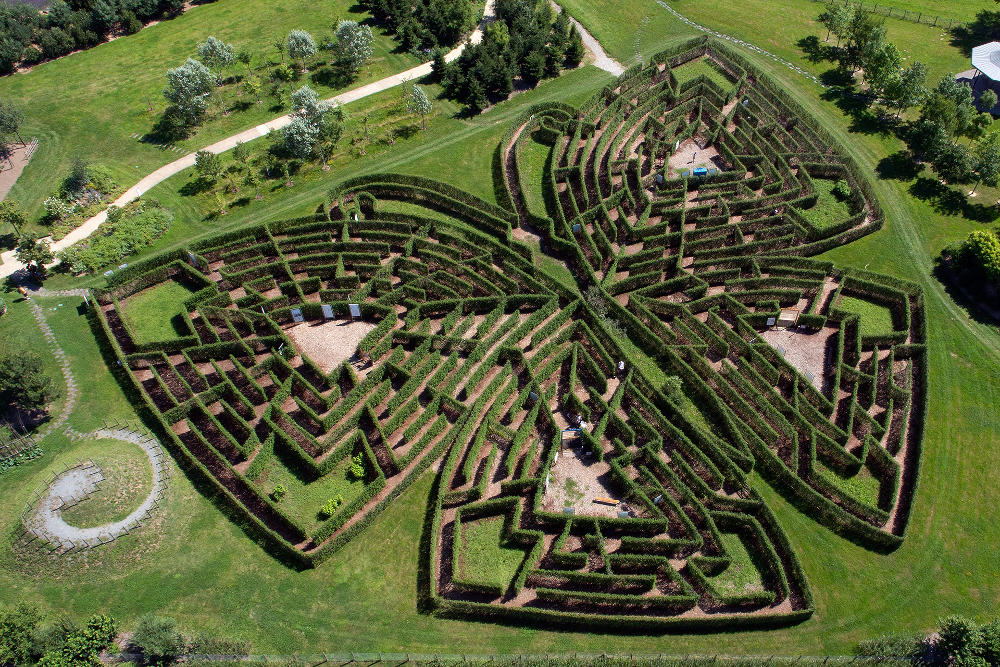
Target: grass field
pixel 154 314
pixel 485 557
pixel 876 320
pixel 90 103
pixel 863 486
pixel 742 576
pixel 128 480
pixel 304 498
pixel 195 564
pixel 828 210
pixel 701 67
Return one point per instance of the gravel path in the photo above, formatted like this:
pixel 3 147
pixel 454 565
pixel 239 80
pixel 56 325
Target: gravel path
pixel 46 521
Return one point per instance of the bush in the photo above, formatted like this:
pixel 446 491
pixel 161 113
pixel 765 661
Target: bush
pixel 841 190
pixel 357 469
pixel 117 238
pixel 23 383
pixel 158 640
pixel 279 492
pixel 330 507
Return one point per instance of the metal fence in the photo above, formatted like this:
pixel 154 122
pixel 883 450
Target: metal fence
pixel 905 14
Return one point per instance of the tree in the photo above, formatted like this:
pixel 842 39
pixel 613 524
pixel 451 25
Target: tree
pixel 12 214
pixel 417 102
pixel 300 46
pixel 241 153
pixel 252 86
pixel 19 635
pixel 907 90
pixel 438 65
pixel 306 103
pixel 188 88
pixel 252 180
pixel 34 252
pixel 158 639
pixel 986 160
pixel 11 119
pixel 954 163
pixel 560 29
pixel 217 54
pixel 355 44
pixel 882 67
pixel 534 66
pixel 987 100
pixel 300 137
pixel 959 639
pixel 24 385
pixel 207 164
pixel 836 18
pixel 574 48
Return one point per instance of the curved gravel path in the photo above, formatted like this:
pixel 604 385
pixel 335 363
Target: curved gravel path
pixel 46 521
pixel 10 265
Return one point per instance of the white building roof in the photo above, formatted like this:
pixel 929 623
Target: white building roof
pixel 986 59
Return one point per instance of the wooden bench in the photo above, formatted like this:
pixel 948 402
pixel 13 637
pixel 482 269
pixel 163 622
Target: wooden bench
pixel 605 501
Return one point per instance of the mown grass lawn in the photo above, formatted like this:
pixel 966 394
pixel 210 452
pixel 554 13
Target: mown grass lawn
pixel 305 498
pixel 155 314
pixel 742 576
pixel 876 320
pixel 485 556
pixel 828 209
pixel 701 67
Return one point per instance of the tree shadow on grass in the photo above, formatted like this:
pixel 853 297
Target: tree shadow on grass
pixel 985 28
pixel 815 50
pixel 899 167
pixel 333 76
pixel 195 187
pixel 947 200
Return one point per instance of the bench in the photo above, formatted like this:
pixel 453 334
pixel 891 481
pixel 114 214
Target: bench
pixel 605 501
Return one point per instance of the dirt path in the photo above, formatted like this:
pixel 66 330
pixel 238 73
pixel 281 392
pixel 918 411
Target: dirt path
pixel 11 168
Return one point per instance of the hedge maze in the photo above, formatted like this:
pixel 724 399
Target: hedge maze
pixel 482 364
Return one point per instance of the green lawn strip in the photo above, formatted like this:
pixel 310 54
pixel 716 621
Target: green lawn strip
pixel 828 209
pixel 742 576
pixel 90 103
pixel 128 480
pixel 485 557
pixel 701 67
pixel 862 487
pixel 876 320
pixel 304 499
pixel 154 314
pixel 531 168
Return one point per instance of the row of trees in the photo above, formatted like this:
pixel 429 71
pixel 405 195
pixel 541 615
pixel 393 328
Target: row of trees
pixel 951 130
pixel 424 23
pixel 27 638
pixel 526 42
pixel 27 36
pixel 190 87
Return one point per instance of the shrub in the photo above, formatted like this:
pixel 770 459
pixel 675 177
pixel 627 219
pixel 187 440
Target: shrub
pixel 357 468
pixel 330 507
pixel 981 251
pixel 279 492
pixel 157 639
pixel 23 383
pixel 841 190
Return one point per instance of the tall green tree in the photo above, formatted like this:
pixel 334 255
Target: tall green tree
pixel 907 89
pixel 12 214
pixel 986 160
pixel 19 633
pixel 34 252
pixel 23 382
pixel 574 48
pixel 218 55
pixel 208 165
pixel 11 119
